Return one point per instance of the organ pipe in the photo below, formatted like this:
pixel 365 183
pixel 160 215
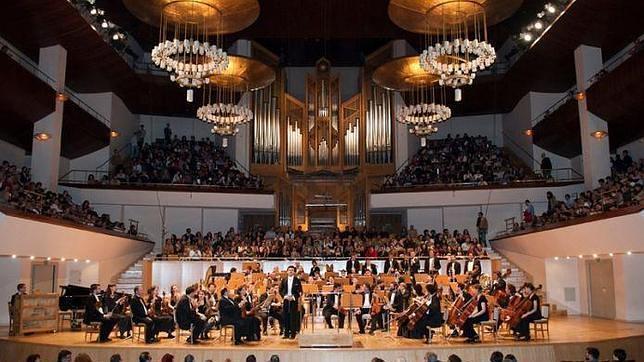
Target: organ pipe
pixel 266 141
pixel 379 126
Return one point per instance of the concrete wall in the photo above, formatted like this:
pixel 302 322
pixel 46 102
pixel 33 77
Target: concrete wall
pixel 458 209
pixel 551 257
pixel 13 154
pixel 173 212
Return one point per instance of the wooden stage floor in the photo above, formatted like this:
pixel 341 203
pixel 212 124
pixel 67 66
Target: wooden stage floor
pixel 568 338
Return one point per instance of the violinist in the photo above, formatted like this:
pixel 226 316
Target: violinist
pixel 498 283
pixel 116 304
pixel 187 315
pixel 523 328
pixel 364 312
pixel 203 310
pixel 231 314
pixel 480 314
pixel 94 312
pixel 332 307
pixel 161 315
pixel 269 306
pixel 141 314
pixel 175 295
pixel 391 265
pixel 369 267
pixel 315 269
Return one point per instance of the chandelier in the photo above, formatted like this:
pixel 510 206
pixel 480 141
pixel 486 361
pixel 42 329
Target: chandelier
pixel 191 32
pixel 456 42
pixel 458 46
pixel 184 48
pixel 224 102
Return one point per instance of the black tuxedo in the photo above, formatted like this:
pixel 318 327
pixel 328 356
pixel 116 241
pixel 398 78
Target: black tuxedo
pixel 290 310
pixel 231 314
pixel 94 313
pixel 118 312
pixel 453 268
pixel 353 267
pixel 330 309
pixel 477 263
pixel 373 268
pixel 363 311
pixel 314 270
pixel 414 267
pixel 399 302
pixel 186 316
pixel 391 264
pixel 140 315
pixel 432 264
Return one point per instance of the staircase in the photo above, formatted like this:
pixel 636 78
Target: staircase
pixel 517 277
pixel 130 278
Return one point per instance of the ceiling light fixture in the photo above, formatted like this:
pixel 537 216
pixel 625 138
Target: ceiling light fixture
pixel 580 96
pixel 42 136
pixel 599 134
pixel 114 133
pixel 528 132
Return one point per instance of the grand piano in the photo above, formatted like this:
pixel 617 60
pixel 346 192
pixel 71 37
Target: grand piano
pixel 73 298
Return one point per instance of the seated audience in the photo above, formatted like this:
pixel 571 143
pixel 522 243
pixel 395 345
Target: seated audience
pixel 64 356
pixel 463 159
pixel 180 161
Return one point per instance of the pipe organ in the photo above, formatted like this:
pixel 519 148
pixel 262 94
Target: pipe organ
pixel 266 129
pixel 379 124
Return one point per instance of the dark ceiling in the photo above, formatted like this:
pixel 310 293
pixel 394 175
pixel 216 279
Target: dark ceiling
pixel 302 31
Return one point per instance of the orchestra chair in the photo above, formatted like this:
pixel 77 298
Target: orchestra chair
pixel 138 332
pixel 64 316
pixel 441 331
pixel 271 322
pixel 178 330
pixel 94 328
pixel 224 330
pixel 11 319
pixel 489 326
pixel 542 325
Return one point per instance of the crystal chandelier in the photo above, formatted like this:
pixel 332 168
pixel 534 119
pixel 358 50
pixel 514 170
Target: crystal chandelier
pixel 184 49
pixel 426 108
pixel 225 117
pixel 457 43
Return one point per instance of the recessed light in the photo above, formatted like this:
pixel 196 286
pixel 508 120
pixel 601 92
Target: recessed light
pixel 556 258
pixel 14 256
pixel 629 253
pixel 42 136
pixel 32 257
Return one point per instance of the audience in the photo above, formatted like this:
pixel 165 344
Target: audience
pixel 82 357
pixel 592 354
pixel 116 358
pixel 463 159
pixel 64 356
pixel 622 189
pixel 20 192
pixel 178 161
pixel 619 355
pixel 289 243
pixel 145 357
pixel 496 357
pixel 33 358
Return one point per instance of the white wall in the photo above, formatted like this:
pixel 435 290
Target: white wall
pixel 458 209
pixel 181 126
pixel 535 253
pixel 488 125
pixel 635 149
pixel 174 210
pixel 13 154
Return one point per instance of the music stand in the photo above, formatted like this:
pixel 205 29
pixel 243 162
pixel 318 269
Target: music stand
pixel 310 291
pixel 350 301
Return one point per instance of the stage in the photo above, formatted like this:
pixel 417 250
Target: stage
pixel 568 338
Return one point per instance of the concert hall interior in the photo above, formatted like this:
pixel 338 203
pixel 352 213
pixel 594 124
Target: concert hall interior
pixel 329 181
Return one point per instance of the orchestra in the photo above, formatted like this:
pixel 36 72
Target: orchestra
pixel 252 301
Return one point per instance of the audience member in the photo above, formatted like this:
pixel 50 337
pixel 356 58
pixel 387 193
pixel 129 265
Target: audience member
pixel 189 358
pixel 454 358
pixel 33 358
pixel 180 161
pixel 285 242
pixel 64 356
pixel 463 159
pixel 82 357
pixel 167 358
pixel 145 357
pixel 509 358
pixel 619 355
pixel 496 357
pixel 251 358
pixel 431 357
pixel 116 358
pixel 592 354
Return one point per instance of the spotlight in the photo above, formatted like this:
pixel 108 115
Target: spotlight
pixel 610 254
pixel 528 132
pixel 104 24
pixel 550 8
pixel 87 261
pixel 115 36
pixel 14 256
pixel 556 258
pixel 62 259
pixel 567 258
pixel 32 257
pixel 527 36
pixel 629 253
pixel 61 97
pixel 114 133
pixel 75 260
pixel 595 256
pixel 580 256
pixel 580 96
pixel 49 258
pixel 42 136
pixel 599 134
pixel 538 25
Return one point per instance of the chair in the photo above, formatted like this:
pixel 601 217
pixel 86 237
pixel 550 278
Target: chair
pixel 11 320
pixel 91 329
pixel 542 325
pixel 64 316
pixel 223 332
pixel 442 331
pixel 178 330
pixel 489 326
pixel 138 332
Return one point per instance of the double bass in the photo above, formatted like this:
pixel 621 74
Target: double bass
pixel 522 307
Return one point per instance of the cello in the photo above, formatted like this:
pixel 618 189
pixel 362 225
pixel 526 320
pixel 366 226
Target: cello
pixel 522 307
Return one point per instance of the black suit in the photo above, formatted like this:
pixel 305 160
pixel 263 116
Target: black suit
pixel 314 270
pixel 391 264
pixel 118 313
pixel 353 266
pixel 290 311
pixel 364 311
pixel 477 263
pixel 231 314
pixel 398 304
pixel 140 315
pixel 432 264
pixel 187 316
pixel 94 313
pixel 414 267
pixel 330 309
pixel 453 268
pixel 373 268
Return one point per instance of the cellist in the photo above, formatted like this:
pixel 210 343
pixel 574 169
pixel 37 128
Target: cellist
pixel 479 315
pixel 461 297
pixel 523 328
